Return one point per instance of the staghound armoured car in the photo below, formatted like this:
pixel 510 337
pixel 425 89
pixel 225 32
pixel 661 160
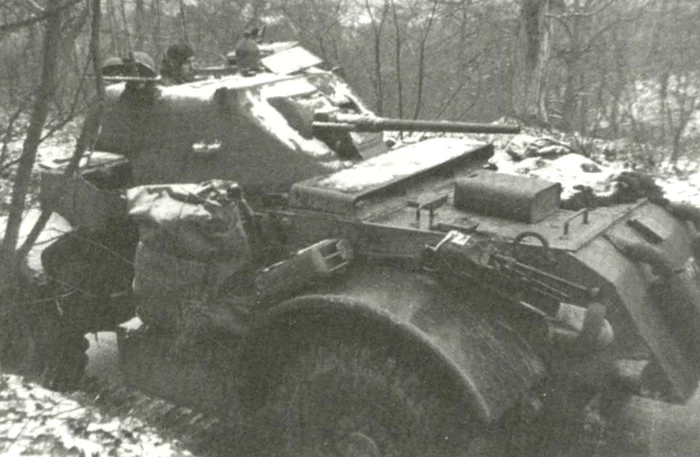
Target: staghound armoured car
pixel 388 301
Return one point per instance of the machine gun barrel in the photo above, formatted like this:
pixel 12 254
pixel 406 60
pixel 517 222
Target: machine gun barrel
pixel 482 262
pixel 218 71
pixel 362 123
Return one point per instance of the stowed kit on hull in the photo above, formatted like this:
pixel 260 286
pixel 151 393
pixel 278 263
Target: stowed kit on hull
pixel 416 266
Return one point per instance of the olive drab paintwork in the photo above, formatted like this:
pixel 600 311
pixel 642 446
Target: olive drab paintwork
pixel 352 239
pixel 248 129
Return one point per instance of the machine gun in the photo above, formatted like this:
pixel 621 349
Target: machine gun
pixel 364 123
pixel 480 260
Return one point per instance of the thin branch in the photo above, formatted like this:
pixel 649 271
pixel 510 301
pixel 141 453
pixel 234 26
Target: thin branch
pixel 90 127
pixel 35 6
pixel 45 93
pixel 73 108
pixel 11 27
pixel 581 13
pixel 9 164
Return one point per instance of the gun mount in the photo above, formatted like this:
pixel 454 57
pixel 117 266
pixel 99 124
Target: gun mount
pixel 348 306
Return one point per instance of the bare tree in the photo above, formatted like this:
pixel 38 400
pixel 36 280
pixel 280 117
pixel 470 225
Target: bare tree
pixel 531 61
pixel 685 103
pixel 9 260
pixel 10 312
pixel 585 31
pixel 139 18
pixel 677 70
pixel 377 24
pixel 397 57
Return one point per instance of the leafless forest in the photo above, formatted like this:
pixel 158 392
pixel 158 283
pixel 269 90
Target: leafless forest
pixel 600 67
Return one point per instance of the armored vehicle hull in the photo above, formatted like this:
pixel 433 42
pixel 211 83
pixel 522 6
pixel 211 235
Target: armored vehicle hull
pixel 395 302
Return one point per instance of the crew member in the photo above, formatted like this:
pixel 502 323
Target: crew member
pixel 177 67
pixel 248 53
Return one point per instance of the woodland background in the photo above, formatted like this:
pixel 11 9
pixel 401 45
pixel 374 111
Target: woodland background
pixel 602 68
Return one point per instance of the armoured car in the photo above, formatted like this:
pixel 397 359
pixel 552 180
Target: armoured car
pixel 390 301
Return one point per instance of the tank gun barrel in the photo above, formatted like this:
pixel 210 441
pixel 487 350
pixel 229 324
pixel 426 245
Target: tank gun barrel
pixel 364 123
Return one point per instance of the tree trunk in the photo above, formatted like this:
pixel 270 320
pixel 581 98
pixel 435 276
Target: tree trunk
pixel 568 110
pixel 16 335
pixel 620 81
pixel 573 70
pixel 11 327
pixel 377 52
pixel 91 125
pixel 686 104
pixel 139 14
pixel 127 31
pixel 397 60
pixel 420 76
pixel 664 112
pixel 582 104
pixel 46 91
pixel 115 42
pixel 530 62
pixel 183 19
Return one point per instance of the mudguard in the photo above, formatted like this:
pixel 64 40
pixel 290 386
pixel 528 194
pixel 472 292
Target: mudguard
pixel 491 362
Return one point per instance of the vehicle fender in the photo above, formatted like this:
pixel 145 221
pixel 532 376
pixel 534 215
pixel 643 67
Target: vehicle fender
pixel 491 364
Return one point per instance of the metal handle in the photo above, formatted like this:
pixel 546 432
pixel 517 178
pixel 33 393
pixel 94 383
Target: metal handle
pixel 583 212
pixel 430 205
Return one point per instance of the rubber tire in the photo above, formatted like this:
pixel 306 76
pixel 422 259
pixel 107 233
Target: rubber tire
pixel 69 363
pixel 335 394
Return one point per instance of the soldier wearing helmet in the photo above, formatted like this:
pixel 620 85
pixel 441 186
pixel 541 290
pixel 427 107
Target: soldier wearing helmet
pixel 177 66
pixel 137 70
pixel 248 52
pixel 137 65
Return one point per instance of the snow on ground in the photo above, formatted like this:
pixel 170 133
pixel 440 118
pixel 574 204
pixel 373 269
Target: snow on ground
pixel 35 421
pixel 684 186
pixel 570 170
pixel 576 170
pixel 573 169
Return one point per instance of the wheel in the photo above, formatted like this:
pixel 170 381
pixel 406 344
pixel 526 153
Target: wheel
pixel 354 399
pixel 91 276
pixel 70 360
pixel 59 344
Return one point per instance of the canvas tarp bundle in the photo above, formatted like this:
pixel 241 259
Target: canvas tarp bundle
pixel 193 221
pixel 192 242
pixel 175 293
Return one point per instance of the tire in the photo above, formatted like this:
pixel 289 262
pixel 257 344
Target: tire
pixel 85 272
pixel 70 360
pixel 60 346
pixel 355 399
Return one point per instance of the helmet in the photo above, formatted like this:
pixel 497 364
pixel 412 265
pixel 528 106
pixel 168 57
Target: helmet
pixel 138 64
pixel 144 64
pixel 247 54
pixel 114 66
pixel 179 53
